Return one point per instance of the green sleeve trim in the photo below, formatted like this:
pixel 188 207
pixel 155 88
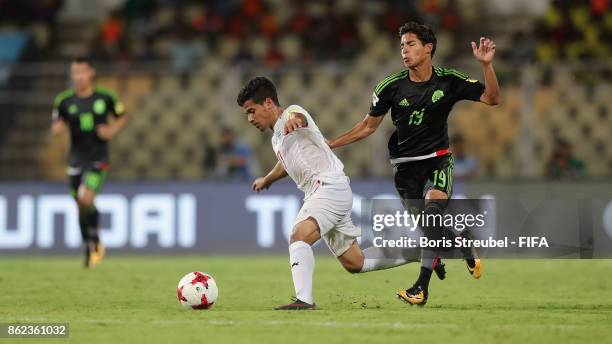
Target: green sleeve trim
pixel 391 78
pixel 108 92
pixel 440 71
pixel 62 96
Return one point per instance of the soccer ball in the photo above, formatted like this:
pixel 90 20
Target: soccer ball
pixel 197 290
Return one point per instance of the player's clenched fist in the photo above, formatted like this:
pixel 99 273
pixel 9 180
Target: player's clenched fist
pixel 259 184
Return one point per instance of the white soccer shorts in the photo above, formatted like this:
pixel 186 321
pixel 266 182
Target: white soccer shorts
pixel 331 206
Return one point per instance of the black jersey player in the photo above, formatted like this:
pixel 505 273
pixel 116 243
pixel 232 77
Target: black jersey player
pixel 85 110
pixel 420 99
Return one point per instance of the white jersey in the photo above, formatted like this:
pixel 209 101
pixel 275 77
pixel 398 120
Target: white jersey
pixel 305 155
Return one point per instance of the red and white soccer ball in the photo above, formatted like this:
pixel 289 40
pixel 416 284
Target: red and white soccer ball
pixel 197 290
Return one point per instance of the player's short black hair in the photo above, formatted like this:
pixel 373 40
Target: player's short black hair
pixel 424 33
pixel 257 90
pixel 83 59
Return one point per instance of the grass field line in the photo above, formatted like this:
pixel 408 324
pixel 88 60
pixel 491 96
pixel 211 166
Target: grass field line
pixel 301 322
pixel 342 324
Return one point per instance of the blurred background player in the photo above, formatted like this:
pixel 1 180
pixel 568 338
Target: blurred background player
pixel 84 109
pixel 234 158
pixel 563 164
pixel 328 200
pixel 465 165
pixel 421 98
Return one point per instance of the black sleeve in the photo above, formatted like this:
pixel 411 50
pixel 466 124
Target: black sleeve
pixel 381 102
pixel 468 89
pixel 115 105
pixel 59 110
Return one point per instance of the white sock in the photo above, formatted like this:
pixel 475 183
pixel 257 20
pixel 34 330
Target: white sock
pixel 301 260
pixel 374 259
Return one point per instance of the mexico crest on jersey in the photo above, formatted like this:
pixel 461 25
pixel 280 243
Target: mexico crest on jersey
pixel 437 95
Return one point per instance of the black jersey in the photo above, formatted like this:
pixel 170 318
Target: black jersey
pixel 82 115
pixel 420 110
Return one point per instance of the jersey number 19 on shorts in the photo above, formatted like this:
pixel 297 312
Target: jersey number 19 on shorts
pixel 439 178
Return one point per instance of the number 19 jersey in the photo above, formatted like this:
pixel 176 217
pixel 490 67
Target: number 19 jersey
pixel 420 110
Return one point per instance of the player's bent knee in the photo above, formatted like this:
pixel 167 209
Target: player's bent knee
pixel 296 236
pixel 436 194
pixel 306 231
pixel 85 201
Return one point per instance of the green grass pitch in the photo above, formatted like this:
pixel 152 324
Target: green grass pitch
pixel 133 300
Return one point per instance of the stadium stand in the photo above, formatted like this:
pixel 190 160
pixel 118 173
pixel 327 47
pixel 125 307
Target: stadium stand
pixel 173 113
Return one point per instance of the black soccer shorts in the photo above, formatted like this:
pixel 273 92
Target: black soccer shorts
pixel 415 178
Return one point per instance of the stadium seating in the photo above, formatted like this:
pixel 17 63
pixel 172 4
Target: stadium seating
pixel 169 127
pixel 173 116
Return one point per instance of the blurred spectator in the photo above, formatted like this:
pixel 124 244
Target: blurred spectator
pixel 325 30
pixel 112 29
pixel 523 48
pixel 244 53
pixel 185 54
pixel 574 30
pixel 136 9
pixel 273 57
pixel 466 166
pixel 36 17
pixel 563 164
pixel 234 159
pixel 27 12
pixel 210 159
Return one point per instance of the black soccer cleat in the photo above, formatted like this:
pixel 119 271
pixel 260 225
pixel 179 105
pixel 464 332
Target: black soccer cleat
pixel 414 296
pixel 439 268
pixel 296 305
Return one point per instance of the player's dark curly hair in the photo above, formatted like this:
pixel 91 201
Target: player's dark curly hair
pixel 424 33
pixel 257 90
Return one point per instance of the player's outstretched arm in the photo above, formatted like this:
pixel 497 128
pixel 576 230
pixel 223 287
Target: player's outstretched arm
pixel 262 183
pixel 58 126
pixel 361 130
pixel 108 131
pixel 484 53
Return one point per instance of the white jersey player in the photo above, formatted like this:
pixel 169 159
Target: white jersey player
pixel 304 155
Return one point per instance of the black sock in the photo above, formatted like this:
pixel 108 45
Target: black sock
pixel 436 207
pixel 467 252
pixel 84 223
pixel 93 221
pixel 424 278
pixel 434 212
pixel 432 231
